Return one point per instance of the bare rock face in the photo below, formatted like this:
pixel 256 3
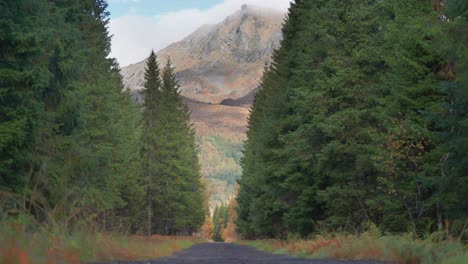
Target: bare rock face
pixel 223 61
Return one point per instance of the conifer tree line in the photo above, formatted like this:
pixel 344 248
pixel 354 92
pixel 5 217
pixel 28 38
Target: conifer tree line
pixel 361 118
pixel 220 221
pixel 223 221
pixel 72 144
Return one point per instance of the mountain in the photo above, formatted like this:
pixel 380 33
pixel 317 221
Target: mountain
pixel 222 61
pixel 219 68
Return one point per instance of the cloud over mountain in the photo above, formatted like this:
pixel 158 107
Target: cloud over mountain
pixel 135 35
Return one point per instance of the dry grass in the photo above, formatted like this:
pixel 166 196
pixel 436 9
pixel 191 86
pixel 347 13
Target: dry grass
pixel 141 248
pixel 208 118
pixel 19 246
pixel 396 249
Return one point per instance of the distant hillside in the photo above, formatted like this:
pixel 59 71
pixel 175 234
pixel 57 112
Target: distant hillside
pixel 244 101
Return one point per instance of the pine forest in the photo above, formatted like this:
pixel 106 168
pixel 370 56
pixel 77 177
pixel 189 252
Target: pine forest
pixel 330 130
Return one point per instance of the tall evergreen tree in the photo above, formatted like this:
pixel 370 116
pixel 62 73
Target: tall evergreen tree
pixel 151 112
pixel 23 79
pixel 175 193
pixel 89 119
pixel 183 170
pixel 70 142
pixel 451 118
pixel 259 207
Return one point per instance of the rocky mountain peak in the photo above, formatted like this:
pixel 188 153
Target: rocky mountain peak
pixel 222 61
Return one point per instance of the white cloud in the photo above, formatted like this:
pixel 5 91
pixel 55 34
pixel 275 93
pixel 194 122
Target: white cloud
pixel 135 36
pixel 124 1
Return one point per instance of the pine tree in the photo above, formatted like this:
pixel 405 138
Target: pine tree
pixel 451 118
pixel 152 98
pixel 260 196
pixel 182 168
pixel 88 120
pixel 336 97
pixel 23 79
pixel 175 192
pixel 73 142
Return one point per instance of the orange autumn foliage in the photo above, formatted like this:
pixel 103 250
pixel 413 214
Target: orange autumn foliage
pixel 14 254
pixel 207 228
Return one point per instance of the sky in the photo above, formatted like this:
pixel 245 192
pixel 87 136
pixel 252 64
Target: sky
pixel 138 26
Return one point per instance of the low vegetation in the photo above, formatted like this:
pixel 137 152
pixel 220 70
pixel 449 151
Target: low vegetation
pixel 24 243
pixel 396 249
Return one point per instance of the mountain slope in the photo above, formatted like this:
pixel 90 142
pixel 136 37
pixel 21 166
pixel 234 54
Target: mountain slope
pixel 219 68
pixel 223 61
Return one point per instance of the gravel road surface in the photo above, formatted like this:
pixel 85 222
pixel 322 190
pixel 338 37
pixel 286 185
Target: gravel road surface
pixel 225 253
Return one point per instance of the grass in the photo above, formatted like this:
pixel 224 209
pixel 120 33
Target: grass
pixel 21 246
pixel 395 249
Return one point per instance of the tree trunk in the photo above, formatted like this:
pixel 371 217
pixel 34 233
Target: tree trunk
pixel 150 163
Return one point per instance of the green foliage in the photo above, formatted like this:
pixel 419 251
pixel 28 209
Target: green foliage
pixel 220 154
pixel 231 151
pixel 227 147
pixel 170 163
pixel 23 79
pixel 68 134
pixel 220 220
pixel 451 117
pixel 70 139
pixel 350 126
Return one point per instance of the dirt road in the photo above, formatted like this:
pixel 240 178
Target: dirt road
pixel 224 253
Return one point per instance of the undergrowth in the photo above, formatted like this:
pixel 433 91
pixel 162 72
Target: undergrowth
pixel 22 243
pixel 395 249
